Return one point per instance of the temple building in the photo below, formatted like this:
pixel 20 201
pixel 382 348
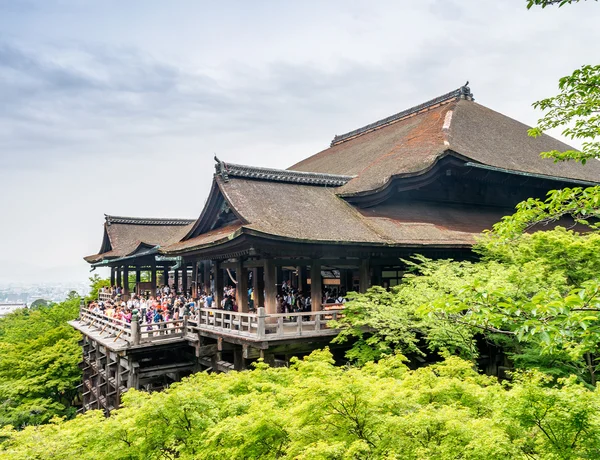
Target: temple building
pixel 426 180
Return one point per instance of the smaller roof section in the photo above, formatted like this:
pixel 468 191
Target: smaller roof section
pixel 129 236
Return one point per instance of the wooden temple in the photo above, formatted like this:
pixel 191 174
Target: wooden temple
pixel 426 180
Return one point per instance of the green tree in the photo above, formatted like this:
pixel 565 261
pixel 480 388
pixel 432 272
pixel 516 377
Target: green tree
pixel 96 283
pixel 577 109
pixel 316 410
pixel 39 355
pixel 545 3
pixel 38 303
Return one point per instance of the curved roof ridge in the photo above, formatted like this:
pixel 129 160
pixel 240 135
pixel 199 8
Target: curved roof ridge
pixel 464 92
pixel 146 220
pixel 227 170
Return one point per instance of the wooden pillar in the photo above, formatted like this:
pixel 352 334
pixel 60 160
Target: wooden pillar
pixel 218 294
pixel 364 279
pixel 153 279
pixel 166 275
pixel 302 279
pixel 206 286
pixel 195 279
pixel 259 288
pixel 184 278
pixel 241 295
pixel 349 281
pixel 119 282
pixel 138 279
pixel 279 276
pixel 376 279
pixel 176 280
pixel 125 280
pixel 316 289
pixel 112 276
pixel 270 281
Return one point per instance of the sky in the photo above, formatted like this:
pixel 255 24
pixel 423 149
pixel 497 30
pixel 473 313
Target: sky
pixel 119 107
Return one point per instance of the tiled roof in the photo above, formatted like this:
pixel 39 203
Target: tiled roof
pixel 146 220
pixel 464 92
pixel 411 144
pixel 126 235
pixel 227 170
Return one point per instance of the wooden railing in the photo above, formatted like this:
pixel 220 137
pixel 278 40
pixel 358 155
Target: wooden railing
pixel 255 326
pixel 105 296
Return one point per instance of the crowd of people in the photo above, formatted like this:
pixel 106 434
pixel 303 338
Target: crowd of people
pixel 168 305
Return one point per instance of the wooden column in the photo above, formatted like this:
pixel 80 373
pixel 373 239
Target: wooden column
pixel 316 289
pixel 176 280
pixel 241 295
pixel 166 275
pixel 218 294
pixel 112 276
pixel 153 280
pixel 254 283
pixel 195 279
pixel 259 288
pixel 376 279
pixel 270 281
pixel 119 282
pixel 302 279
pixel 125 280
pixel 138 279
pixel 349 281
pixel 184 278
pixel 364 279
pixel 201 274
pixel 206 286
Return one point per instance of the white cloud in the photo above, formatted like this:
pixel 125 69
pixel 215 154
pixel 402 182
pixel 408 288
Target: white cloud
pixel 118 107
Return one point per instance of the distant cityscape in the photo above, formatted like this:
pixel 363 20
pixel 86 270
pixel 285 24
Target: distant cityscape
pixel 23 293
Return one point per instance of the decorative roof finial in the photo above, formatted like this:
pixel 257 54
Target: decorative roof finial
pixel 465 92
pixel 220 169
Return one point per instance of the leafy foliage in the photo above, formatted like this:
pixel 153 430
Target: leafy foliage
pixel 96 283
pixel 315 410
pixel 382 322
pixel 545 3
pixel 577 109
pixel 39 354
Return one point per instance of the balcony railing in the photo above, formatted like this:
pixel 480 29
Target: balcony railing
pixel 257 326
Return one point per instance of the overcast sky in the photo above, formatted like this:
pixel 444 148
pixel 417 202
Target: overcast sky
pixel 118 107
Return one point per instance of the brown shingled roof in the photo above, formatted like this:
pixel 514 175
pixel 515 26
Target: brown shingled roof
pixel 310 213
pixel 123 236
pixel 413 143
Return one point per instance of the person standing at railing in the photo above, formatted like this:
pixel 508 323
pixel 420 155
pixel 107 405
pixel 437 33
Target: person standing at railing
pixel 150 317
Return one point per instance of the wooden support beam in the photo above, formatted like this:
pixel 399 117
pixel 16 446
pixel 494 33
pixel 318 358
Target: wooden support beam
pixel 241 274
pixel 349 279
pixel 316 289
pixel 218 285
pixel 195 279
pixel 153 279
pixel 166 275
pixel 119 281
pixel 302 279
pixel 270 280
pixel 176 280
pixel 364 277
pixel 259 288
pixel 184 279
pixel 112 276
pixel 125 280
pixel 239 363
pixel 206 280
